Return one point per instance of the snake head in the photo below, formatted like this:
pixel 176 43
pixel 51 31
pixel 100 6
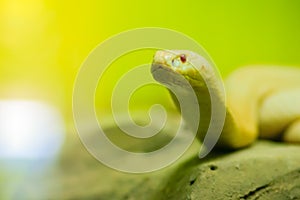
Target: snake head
pixel 168 65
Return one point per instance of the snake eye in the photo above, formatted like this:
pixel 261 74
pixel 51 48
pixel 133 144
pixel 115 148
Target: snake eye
pixel 183 58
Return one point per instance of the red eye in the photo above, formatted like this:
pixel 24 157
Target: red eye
pixel 183 58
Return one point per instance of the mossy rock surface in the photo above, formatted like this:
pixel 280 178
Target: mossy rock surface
pixel 266 170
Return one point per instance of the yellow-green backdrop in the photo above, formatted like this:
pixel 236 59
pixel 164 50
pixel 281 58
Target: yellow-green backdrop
pixel 43 43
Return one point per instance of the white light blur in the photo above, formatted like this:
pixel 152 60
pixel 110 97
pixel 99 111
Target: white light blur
pixel 29 130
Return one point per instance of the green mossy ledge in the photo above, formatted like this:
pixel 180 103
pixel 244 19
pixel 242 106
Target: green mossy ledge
pixel 265 170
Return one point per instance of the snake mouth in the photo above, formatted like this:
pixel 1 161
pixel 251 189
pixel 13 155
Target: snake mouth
pixel 165 75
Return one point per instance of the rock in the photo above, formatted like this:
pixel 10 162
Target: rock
pixel 266 170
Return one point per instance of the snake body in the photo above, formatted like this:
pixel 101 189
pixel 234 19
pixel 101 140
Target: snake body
pixel 261 101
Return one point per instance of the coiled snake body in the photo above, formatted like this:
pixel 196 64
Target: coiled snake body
pixel 261 101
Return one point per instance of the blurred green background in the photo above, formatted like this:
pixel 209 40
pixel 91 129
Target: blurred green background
pixel 43 43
